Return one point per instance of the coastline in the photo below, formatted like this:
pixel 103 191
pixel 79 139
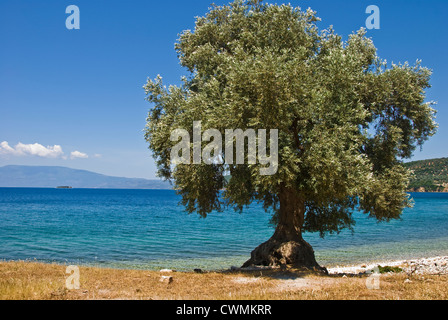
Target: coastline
pixel 148 238
pixel 437 265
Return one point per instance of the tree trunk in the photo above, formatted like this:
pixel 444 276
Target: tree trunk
pixel 287 247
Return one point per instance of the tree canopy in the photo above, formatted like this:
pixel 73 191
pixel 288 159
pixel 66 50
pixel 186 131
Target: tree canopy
pixel 346 119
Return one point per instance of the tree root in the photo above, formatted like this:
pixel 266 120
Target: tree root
pixel 295 253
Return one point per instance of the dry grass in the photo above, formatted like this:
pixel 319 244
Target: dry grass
pixel 29 281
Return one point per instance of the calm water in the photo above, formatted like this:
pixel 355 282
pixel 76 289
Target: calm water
pixel 147 229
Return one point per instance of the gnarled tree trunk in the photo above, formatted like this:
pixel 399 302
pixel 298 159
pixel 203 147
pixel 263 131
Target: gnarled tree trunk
pixel 286 246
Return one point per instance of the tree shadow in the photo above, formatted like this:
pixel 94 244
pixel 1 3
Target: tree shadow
pixel 285 273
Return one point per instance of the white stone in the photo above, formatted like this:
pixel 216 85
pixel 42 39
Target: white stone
pixel 166 279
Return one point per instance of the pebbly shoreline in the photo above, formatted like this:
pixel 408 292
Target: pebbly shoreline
pixel 428 266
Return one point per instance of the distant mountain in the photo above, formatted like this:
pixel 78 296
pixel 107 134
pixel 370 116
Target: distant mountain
pixel 429 175
pixel 52 177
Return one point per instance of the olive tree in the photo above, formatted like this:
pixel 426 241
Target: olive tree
pixel 346 120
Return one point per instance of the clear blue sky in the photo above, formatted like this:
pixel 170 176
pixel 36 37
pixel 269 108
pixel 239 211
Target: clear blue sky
pixel 82 89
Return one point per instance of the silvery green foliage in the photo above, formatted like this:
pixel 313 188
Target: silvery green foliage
pixel 345 118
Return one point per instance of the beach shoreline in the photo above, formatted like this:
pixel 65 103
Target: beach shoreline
pixel 434 265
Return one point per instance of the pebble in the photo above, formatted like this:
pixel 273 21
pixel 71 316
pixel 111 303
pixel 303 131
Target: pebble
pixel 166 279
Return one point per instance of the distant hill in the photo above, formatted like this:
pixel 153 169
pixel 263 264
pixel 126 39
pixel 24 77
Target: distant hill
pixel 429 175
pixel 52 177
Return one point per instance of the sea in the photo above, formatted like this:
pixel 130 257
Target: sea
pixel 150 230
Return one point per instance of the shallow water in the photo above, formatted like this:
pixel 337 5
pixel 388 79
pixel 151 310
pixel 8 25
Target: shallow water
pixel 147 229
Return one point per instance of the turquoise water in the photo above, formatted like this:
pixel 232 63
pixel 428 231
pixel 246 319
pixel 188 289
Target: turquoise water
pixel 147 229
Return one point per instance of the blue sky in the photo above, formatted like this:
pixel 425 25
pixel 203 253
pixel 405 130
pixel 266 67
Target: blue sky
pixel 74 97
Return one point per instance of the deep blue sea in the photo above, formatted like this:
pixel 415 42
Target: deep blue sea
pixel 147 229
